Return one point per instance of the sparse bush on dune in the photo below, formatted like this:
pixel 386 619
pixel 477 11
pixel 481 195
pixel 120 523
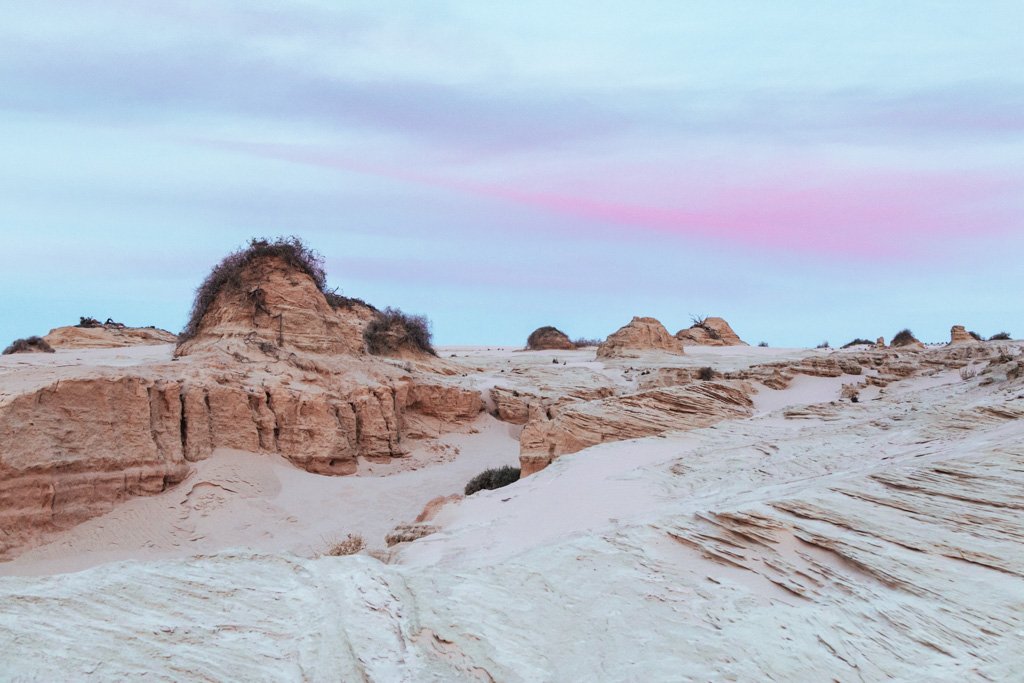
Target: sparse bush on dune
pixel 903 338
pixel 763 345
pixel 337 300
pixel 87 321
pixel 823 345
pixel 392 330
pixel 28 345
pixel 351 545
pixel 975 335
pixel 493 478
pixel 858 342
pixel 228 273
pixel 583 343
pixel 1000 336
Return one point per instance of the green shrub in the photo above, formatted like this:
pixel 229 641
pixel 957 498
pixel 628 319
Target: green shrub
pixel 493 478
pixel 393 330
pixel 27 345
pixel 227 275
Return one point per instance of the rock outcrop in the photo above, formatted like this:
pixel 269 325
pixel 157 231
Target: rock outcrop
pixel 587 423
pixel 102 337
pixel 710 332
pixel 549 338
pixel 958 334
pixel 905 339
pixel 75 448
pixel 272 305
pixel 640 334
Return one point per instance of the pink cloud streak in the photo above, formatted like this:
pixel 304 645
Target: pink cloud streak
pixel 866 216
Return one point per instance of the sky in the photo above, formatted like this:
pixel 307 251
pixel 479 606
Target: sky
pixel 809 170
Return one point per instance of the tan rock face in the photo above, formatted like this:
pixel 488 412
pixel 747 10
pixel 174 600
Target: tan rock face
pixel 712 332
pixel 74 448
pixel 73 337
pixel 958 334
pixel 641 334
pixel 544 338
pixel 587 423
pixel 280 306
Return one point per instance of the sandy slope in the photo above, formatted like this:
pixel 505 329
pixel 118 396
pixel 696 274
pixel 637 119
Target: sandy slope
pixel 817 540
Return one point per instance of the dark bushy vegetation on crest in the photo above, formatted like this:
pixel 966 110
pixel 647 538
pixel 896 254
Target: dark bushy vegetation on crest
pixel 706 374
pixel 538 334
pixel 493 478
pixel 1000 336
pixel 392 329
pixel 858 342
pixel 337 301
pixel 28 344
pixel 903 338
pixel 228 273
pixel 975 335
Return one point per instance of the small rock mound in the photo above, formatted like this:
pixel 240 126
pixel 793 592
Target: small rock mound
pixel 905 339
pixel 710 332
pixel 107 336
pixel 958 334
pixel 641 334
pixel 271 295
pixel 549 338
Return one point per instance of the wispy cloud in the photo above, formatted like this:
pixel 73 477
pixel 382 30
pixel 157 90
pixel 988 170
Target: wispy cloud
pixel 865 215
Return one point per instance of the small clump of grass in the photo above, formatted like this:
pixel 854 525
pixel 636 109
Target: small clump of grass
pixel 350 545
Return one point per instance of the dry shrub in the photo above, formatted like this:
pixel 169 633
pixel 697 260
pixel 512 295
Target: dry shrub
pixel 1000 336
pixel 86 321
pixel 858 342
pixel 538 335
pixel 393 330
pixel 583 342
pixel 493 478
pixel 763 345
pixel 706 374
pixel 823 345
pixel 350 545
pixel 337 300
pixel 903 338
pixel 27 345
pixel 227 275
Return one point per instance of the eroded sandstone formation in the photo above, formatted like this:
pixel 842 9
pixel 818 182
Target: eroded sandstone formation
pixel 710 332
pixel 275 306
pixel 958 334
pixel 549 338
pixel 75 448
pixel 587 423
pixel 640 334
pixel 76 337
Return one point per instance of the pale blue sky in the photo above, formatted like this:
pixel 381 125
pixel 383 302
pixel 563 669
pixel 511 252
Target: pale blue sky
pixel 808 170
